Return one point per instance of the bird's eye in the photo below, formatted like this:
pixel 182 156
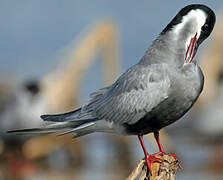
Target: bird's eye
pixel 205 27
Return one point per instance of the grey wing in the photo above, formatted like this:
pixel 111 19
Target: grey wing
pixel 132 96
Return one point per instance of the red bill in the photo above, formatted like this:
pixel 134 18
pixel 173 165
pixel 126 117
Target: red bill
pixel 191 50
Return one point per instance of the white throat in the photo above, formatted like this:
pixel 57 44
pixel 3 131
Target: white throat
pixel 193 22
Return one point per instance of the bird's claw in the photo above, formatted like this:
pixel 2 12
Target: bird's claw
pixel 173 155
pixel 155 159
pixel 150 159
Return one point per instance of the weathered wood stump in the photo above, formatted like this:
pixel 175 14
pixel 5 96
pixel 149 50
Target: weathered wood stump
pixel 160 171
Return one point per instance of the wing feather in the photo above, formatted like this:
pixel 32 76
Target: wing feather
pixel 132 96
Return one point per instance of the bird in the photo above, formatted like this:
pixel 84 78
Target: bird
pixel 150 95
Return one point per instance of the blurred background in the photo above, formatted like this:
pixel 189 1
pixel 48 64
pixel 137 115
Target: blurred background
pixel 54 53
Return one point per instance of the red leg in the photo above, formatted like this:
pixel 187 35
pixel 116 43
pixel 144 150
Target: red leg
pixel 145 152
pixel 162 152
pixel 149 158
pixel 156 135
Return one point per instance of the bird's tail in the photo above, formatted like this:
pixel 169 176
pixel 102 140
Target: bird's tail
pixel 63 124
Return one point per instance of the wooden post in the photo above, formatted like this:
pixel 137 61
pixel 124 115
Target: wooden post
pixel 160 171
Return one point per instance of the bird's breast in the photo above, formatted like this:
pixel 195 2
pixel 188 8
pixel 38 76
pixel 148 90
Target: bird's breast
pixel 182 95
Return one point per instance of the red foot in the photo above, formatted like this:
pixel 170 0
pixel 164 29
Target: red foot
pixel 173 155
pixel 152 159
pixel 162 152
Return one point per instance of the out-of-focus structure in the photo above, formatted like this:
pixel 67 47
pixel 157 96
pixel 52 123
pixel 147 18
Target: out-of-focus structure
pixel 208 123
pixel 62 87
pixel 209 106
pixel 58 92
pixel 212 65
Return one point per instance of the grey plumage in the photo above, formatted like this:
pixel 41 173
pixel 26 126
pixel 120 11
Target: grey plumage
pixel 150 95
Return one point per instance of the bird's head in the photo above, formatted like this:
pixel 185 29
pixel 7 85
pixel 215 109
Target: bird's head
pixel 191 26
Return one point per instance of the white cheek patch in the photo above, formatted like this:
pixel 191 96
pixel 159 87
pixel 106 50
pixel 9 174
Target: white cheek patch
pixel 196 18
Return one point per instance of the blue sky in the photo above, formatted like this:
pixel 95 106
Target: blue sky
pixel 33 33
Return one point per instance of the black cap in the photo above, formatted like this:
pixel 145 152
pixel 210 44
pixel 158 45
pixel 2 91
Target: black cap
pixel 206 29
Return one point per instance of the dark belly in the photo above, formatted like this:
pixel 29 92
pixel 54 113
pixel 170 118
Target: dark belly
pixel 181 97
pixel 165 114
pixel 144 126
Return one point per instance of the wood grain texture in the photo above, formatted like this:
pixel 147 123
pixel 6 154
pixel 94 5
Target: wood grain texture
pixel 160 171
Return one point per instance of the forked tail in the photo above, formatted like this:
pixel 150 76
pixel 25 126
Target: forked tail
pixel 66 123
